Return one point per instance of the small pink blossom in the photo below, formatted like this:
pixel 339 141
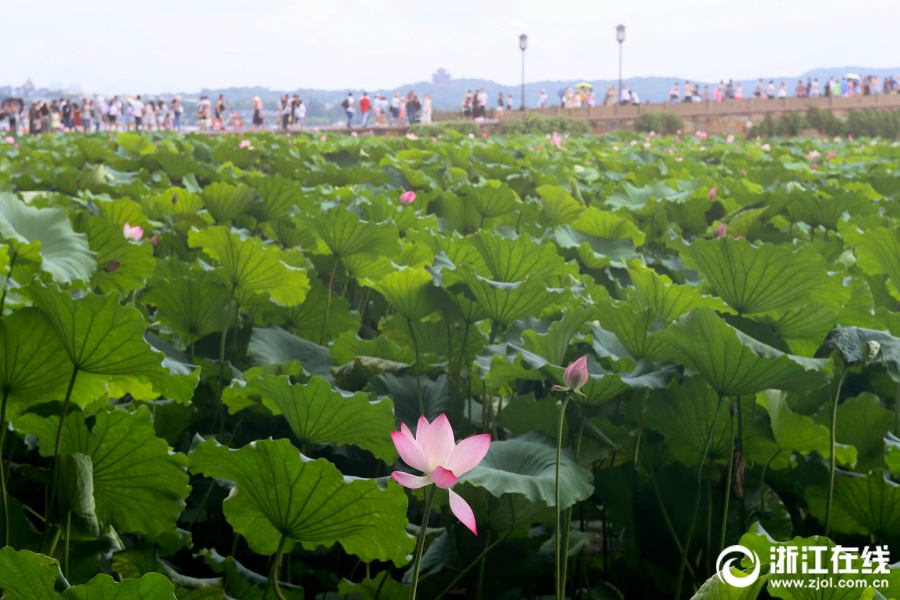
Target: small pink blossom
pixel 471 136
pixel 831 154
pixel 766 147
pixel 652 133
pixel 702 135
pixel 813 155
pixel 353 134
pixel 646 145
pixel 721 230
pixel 245 144
pixel 729 139
pixel 154 239
pixel 814 166
pixel 849 138
pixel 10 139
pixel 408 197
pixel 556 140
pixel 837 138
pixel 712 192
pixel 484 135
pixel 679 158
pixel 412 136
pixel 133 233
pixel 633 142
pixel 575 376
pixel 323 138
pixel 442 461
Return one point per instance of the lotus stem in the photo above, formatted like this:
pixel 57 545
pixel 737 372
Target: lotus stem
pixel 66 544
pixel 420 542
pixel 725 500
pixel 560 575
pixel 54 481
pixel 12 263
pixel 690 536
pixel 832 467
pixel 484 552
pixel 482 568
pixel 328 302
pixel 896 409
pixel 567 526
pixel 415 341
pixel 275 569
pixel 3 467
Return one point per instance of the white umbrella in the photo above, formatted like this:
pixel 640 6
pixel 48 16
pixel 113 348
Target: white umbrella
pixel 852 76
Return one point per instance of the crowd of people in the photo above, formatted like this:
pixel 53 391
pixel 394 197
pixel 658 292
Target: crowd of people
pixel 94 114
pixel 849 85
pixel 397 111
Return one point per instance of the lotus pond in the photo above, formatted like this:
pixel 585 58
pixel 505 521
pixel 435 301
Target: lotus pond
pixel 215 351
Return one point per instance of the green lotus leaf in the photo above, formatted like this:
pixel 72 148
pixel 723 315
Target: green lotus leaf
pixel 759 278
pixel 123 265
pixel 517 259
pixel 526 465
pixel 279 492
pixel 636 328
pixel 859 345
pixel 76 493
pixel 27 575
pixel 716 589
pixel 275 346
pixel 100 335
pixel 410 291
pixel 306 319
pixel 732 362
pixel 558 206
pixel 346 234
pixel 863 504
pixel 187 300
pixel 877 251
pixel 152 586
pixel 799 433
pixel 491 199
pixel 44 236
pixel 684 415
pixel 667 300
pixel 603 225
pixel 135 143
pixel 554 344
pixel 225 202
pixel 320 414
pixel 251 268
pixel 505 302
pixel 863 423
pixel 243 583
pixel 280 196
pixel 139 485
pixel 34 366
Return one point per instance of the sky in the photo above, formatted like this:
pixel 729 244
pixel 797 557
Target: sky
pixel 156 46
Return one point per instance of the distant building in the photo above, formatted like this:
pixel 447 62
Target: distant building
pixel 28 89
pixel 440 76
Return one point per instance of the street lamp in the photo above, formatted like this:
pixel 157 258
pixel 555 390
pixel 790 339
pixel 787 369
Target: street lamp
pixel 620 37
pixel 523 45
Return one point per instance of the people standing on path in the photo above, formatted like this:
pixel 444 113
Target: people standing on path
pixel 349 106
pixel 177 110
pixel 257 113
pixel 426 110
pixel 365 106
pixel 137 112
pixel 543 98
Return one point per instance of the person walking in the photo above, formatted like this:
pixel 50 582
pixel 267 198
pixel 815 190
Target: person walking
pixel 543 98
pixel 365 106
pixel 257 113
pixel 177 109
pixel 137 112
pixel 349 106
pixel 394 118
pixel 426 110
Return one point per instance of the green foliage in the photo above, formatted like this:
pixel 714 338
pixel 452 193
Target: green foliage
pixel 659 122
pixel 230 382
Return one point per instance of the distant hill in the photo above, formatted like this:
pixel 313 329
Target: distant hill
pixel 324 105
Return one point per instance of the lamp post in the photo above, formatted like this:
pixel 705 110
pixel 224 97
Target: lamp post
pixel 620 37
pixel 523 45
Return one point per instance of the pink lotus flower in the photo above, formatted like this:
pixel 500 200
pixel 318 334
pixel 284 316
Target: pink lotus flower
pixel 679 158
pixel 133 233
pixel 575 376
pixel 729 139
pixel 245 144
pixel 814 166
pixel 721 230
pixel 412 136
pixel 154 239
pixel 702 135
pixel 354 134
pixel 849 138
pixel 652 133
pixel 10 139
pixel 556 140
pixel 408 197
pixel 484 135
pixel 831 154
pixel 323 138
pixel 766 147
pixel 646 145
pixel 813 155
pixel 434 452
pixel 837 138
pixel 712 192
pixel 471 136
